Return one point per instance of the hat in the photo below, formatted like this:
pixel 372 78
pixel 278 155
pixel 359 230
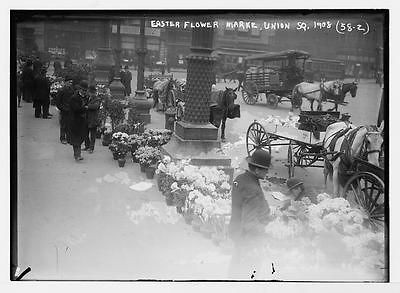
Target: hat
pixel 260 158
pixel 92 89
pixel 83 85
pixel 292 183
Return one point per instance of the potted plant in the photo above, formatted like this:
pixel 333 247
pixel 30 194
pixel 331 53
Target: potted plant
pixel 119 147
pixel 148 157
pixel 116 112
pixel 107 137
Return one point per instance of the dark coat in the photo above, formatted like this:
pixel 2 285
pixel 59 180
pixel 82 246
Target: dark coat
pixel 126 81
pixel 27 78
pixel 77 121
pixel 63 98
pixel 93 112
pixel 41 89
pixel 250 210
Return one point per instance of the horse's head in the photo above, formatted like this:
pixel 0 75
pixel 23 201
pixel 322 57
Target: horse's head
pixel 229 96
pixel 373 144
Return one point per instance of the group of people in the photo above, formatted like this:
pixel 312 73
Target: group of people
pixel 79 108
pixel 33 86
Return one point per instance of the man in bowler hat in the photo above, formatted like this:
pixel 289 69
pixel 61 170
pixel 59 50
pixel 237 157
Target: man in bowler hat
pixel 78 119
pixel 250 214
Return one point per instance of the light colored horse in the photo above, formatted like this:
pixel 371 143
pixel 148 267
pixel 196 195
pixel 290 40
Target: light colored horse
pixel 312 92
pixel 343 142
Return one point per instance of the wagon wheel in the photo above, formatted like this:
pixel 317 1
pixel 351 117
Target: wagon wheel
pixel 257 138
pixel 367 191
pixel 303 156
pixel 250 92
pixel 273 100
pixel 290 163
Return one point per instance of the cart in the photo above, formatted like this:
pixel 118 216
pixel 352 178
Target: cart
pixel 305 148
pixel 273 74
pixel 364 187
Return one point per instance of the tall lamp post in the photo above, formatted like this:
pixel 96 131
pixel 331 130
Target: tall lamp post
pixel 195 137
pixel 140 103
pixel 116 87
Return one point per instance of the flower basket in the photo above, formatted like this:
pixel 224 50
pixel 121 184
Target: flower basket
pixel 150 170
pixel 121 162
pixel 142 168
pixel 148 156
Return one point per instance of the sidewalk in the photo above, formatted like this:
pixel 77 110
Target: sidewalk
pixel 84 221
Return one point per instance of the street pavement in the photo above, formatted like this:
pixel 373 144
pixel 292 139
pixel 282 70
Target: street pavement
pixel 83 221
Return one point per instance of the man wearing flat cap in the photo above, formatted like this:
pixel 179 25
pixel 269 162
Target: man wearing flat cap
pixel 78 119
pixel 250 213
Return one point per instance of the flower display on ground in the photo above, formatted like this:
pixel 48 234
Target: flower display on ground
pixel 147 155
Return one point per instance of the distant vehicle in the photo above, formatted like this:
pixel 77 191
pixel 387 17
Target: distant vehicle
pixel 273 74
pixel 317 69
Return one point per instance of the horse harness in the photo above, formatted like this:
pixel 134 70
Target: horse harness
pixel 345 149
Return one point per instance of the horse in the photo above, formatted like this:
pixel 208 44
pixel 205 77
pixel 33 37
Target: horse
pixel 343 142
pixel 222 106
pixel 344 88
pixel 163 91
pixel 312 92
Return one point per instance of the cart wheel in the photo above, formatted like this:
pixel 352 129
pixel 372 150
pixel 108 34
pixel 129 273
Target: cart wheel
pixel 250 92
pixel 257 138
pixel 272 100
pixel 304 156
pixel 290 163
pixel 367 191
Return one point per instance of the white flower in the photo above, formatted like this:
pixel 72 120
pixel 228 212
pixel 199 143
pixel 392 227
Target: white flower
pixel 174 186
pixel 161 168
pixel 225 185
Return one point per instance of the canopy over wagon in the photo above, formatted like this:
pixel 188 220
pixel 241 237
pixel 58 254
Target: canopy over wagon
pixel 274 74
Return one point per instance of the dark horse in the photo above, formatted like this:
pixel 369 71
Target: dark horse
pixel 222 106
pixel 343 90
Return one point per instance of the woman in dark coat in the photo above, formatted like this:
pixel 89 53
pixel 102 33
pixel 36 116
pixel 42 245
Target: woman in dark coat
pixel 78 122
pixel 92 119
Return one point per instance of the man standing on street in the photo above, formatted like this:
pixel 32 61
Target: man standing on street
pixel 62 102
pixel 27 81
pixel 92 119
pixel 41 96
pixel 126 81
pixel 250 214
pixel 78 122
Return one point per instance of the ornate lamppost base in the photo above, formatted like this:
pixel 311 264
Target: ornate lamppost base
pixel 142 106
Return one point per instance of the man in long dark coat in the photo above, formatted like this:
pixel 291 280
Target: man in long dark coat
pixel 78 122
pixel 250 214
pixel 126 81
pixel 92 119
pixel 41 97
pixel 62 102
pixel 27 81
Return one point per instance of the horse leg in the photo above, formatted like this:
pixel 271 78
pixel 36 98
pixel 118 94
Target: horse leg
pixel 335 177
pixel 223 126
